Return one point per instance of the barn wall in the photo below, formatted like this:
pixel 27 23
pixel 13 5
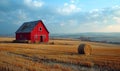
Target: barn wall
pixel 22 36
pixel 36 33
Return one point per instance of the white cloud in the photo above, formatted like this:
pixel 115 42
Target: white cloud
pixel 95 15
pixel 112 28
pixel 34 3
pixel 116 7
pixel 72 1
pixel 21 15
pixel 105 21
pixel 75 1
pixel 62 24
pixel 117 19
pixel 70 16
pixel 94 11
pixel 68 8
pixel 71 22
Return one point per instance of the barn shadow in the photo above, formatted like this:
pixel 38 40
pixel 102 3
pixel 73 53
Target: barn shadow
pixel 6 41
pixel 12 41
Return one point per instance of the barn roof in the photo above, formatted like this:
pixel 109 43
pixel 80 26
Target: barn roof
pixel 29 26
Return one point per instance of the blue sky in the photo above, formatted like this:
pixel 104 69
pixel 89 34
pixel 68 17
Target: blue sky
pixel 61 16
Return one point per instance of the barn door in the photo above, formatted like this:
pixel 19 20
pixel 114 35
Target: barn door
pixel 41 38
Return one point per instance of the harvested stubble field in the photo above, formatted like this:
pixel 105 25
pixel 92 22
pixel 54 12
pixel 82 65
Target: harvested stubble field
pixel 57 55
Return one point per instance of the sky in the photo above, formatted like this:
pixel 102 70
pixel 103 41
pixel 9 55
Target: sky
pixel 61 16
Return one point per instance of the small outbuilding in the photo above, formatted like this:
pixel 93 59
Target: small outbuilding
pixel 33 31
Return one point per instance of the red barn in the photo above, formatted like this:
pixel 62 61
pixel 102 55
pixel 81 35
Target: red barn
pixel 33 31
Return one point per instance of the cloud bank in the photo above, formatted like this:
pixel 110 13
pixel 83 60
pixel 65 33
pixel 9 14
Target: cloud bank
pixel 68 17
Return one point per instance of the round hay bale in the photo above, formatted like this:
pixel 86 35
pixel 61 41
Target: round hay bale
pixel 84 49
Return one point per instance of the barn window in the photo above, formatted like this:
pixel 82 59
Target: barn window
pixel 40 28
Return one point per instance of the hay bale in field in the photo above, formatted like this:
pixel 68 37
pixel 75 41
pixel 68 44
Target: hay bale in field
pixel 84 49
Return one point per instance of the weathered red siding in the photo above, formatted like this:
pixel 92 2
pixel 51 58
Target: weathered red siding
pixel 36 33
pixel 23 36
